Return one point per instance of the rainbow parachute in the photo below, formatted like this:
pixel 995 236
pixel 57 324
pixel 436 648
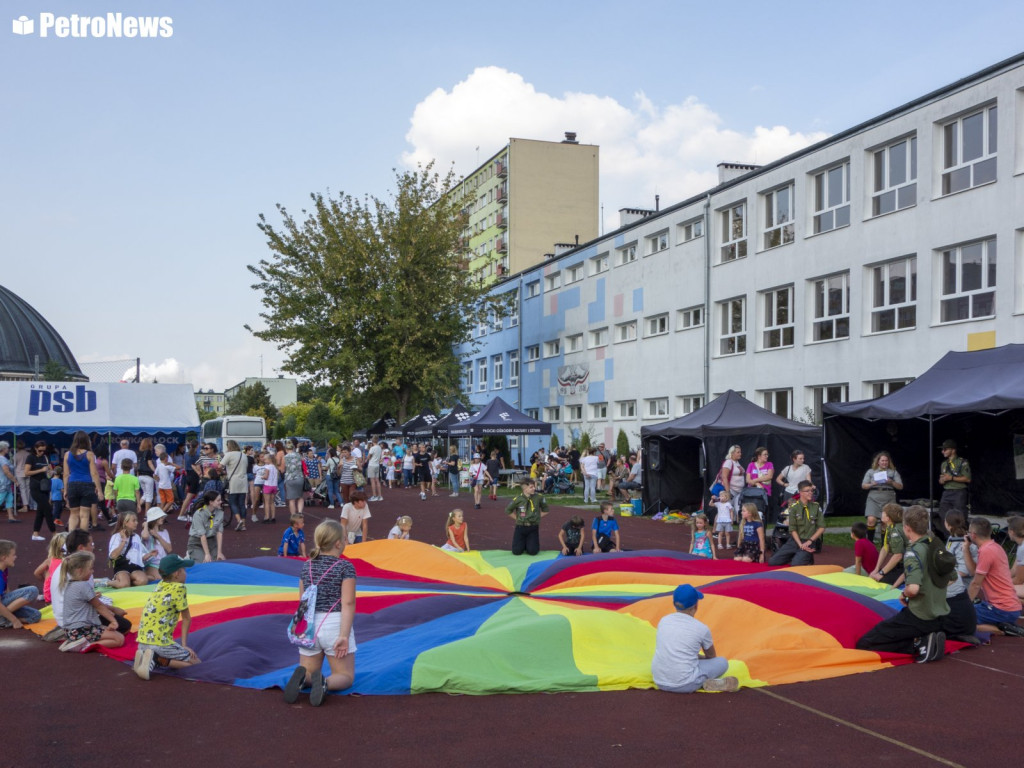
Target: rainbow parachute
pixel 488 622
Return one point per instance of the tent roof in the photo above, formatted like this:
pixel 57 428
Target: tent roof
pixel 65 407
pixel 500 418
pixel 425 417
pixel 458 413
pixel 728 414
pixel 379 427
pixel 961 382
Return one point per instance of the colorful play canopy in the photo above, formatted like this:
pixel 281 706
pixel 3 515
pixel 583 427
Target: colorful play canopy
pixel 488 622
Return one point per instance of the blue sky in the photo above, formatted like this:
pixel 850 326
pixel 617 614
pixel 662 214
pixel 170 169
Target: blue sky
pixel 134 169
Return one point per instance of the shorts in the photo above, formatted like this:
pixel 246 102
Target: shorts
pixel 126 505
pixel 166 495
pixel 269 490
pixel 327 629
pixel 123 566
pixel 723 527
pixel 7 499
pixel 92 633
pixel 602 473
pixel 148 487
pixel 81 495
pixel 172 652
pixel 989 614
pixel 422 475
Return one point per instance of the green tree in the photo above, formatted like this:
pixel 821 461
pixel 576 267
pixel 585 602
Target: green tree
pixel 622 444
pixel 54 370
pixel 369 296
pixel 553 443
pixel 254 400
pixel 206 415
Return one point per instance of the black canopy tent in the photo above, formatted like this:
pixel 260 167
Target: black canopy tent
pixel 975 398
pixel 499 418
pixel 379 427
pixel 682 457
pixel 458 413
pixel 416 422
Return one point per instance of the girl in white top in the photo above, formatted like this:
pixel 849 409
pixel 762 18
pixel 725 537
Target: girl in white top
pixel 792 476
pixel 401 528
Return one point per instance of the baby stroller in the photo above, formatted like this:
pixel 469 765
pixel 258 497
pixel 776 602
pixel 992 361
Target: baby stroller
pixel 563 481
pixel 318 496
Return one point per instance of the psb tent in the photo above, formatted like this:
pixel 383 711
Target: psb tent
pixel 41 407
pixel 683 456
pixel 975 398
pixel 499 418
pixel 458 413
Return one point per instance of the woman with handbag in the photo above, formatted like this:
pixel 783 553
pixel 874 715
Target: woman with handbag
pixel 37 470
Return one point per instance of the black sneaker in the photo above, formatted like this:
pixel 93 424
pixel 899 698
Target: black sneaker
pixel 291 690
pixel 318 689
pixel 1010 629
pixel 932 647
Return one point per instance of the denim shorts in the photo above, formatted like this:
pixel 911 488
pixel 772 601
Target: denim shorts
pixel 989 614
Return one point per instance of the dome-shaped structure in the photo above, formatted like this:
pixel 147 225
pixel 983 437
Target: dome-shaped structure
pixel 24 336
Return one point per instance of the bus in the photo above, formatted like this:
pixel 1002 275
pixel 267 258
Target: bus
pixel 244 430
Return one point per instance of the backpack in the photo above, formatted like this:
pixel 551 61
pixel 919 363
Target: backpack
pixel 335 470
pixel 300 629
pixel 941 563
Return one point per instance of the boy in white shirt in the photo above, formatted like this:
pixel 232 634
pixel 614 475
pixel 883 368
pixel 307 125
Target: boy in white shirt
pixel 677 665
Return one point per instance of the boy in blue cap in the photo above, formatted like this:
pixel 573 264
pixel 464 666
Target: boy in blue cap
pixel 160 616
pixel 677 665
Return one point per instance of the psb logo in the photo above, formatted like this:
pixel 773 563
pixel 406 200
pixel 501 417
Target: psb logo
pixel 81 400
pixel 23 25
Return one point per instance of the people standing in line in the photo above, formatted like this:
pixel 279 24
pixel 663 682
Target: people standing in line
pixel 789 478
pixel 954 477
pixel 881 481
pixel 526 509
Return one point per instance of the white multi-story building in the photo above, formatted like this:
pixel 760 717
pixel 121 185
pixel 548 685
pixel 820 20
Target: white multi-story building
pixel 839 272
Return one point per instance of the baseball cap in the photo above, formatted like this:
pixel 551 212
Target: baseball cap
pixel 685 596
pixel 171 563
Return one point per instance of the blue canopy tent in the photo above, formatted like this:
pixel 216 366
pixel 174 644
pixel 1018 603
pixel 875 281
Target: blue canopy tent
pixel 499 418
pixel 435 429
pixel 378 428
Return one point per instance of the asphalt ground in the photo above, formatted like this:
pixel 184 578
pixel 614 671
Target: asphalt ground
pixel 86 710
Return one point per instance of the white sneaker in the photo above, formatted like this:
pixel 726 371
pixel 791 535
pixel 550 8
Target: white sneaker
pixel 423 496
pixel 329 506
pixel 453 495
pixel 37 538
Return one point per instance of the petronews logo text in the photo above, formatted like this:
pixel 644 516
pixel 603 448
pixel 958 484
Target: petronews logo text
pixel 109 25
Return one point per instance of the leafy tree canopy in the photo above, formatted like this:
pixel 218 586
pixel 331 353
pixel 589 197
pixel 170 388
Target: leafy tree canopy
pixel 254 400
pixel 368 296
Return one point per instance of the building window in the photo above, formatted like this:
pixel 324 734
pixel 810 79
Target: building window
pixel 832 308
pixel 552 348
pixel 481 327
pixel 625 409
pixel 732 327
pixel 553 281
pixel 467 376
pixel 497 322
pixel 574 413
pixel 656 408
pixel 778 401
pixel 968 282
pixel 599 338
pixel 883 388
pixel 513 368
pixel 482 368
pixel 513 312
pixel 625 331
pixel 778 318
pixel 599 264
pixel 599 411
pixel 533 289
pixel 830 393
pixel 657 325
pixel 532 353
pixel 832 198
pixel 552 414
pixel 689 318
pixel 778 217
pixel 734 233
pixel 691 230
pixel 498 364
pixel 969 151
pixel 574 343
pixel 627 254
pixel 574 273
pixel 894 296
pixel 658 242
pixel 895 168
pixel 688 404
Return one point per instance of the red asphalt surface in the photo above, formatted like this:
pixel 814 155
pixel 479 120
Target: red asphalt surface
pixel 86 710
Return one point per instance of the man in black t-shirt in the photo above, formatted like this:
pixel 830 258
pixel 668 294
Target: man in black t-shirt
pixel 421 466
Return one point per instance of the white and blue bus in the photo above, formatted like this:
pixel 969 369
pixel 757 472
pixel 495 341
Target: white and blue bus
pixel 244 430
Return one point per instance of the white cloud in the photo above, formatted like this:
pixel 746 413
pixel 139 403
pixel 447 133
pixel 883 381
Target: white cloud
pixel 646 149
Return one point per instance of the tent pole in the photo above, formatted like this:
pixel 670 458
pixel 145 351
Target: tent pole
pixel 931 469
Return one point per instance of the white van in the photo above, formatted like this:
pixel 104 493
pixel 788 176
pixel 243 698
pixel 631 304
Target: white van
pixel 244 430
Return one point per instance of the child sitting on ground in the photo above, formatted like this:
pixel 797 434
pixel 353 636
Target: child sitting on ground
pixel 605 530
pixel 159 617
pixel 293 541
pixel 865 556
pixel 570 536
pixel 700 544
pixel 724 518
pixel 457 533
pixel 206 534
pixel 127 555
pixel 401 528
pixel 83 608
pixel 15 606
pixel 155 540
pixel 750 547
pixel 677 665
